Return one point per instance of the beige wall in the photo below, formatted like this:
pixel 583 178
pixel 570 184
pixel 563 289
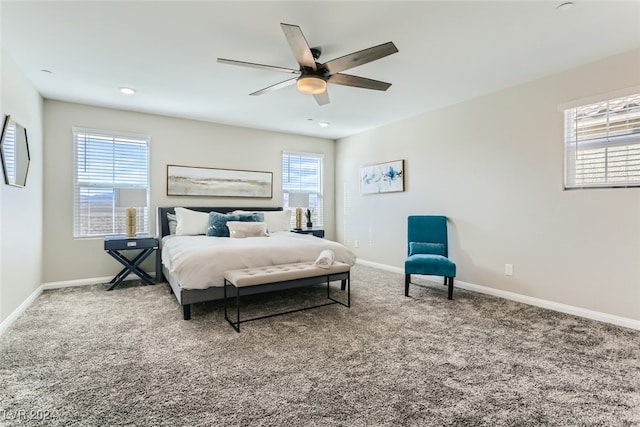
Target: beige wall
pixel 21 208
pixel 494 166
pixel 173 141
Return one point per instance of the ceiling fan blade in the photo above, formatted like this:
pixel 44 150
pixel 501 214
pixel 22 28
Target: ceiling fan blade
pixel 361 57
pixel 322 98
pixel 299 46
pixel 361 82
pixel 260 66
pixel 275 87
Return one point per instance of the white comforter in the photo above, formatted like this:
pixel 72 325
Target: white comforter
pixel 198 262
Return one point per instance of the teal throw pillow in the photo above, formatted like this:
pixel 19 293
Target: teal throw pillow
pixel 251 216
pixel 217 226
pixel 426 248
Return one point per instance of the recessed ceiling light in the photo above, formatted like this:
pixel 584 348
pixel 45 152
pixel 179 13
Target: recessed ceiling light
pixel 323 124
pixel 127 90
pixel 565 6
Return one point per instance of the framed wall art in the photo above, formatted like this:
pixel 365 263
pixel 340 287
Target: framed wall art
pixel 382 178
pixel 199 181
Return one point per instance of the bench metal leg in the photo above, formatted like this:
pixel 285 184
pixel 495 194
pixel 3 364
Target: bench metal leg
pixel 236 325
pixel 237 309
pixel 345 283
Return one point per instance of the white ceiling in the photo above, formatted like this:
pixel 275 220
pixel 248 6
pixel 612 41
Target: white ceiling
pixel 449 51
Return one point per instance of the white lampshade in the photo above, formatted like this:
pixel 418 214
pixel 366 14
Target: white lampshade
pixel 131 197
pixel 311 85
pixel 298 200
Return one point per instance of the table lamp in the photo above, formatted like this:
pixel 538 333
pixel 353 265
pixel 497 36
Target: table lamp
pixel 298 201
pixel 131 198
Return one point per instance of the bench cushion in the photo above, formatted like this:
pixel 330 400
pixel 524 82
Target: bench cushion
pixel 280 273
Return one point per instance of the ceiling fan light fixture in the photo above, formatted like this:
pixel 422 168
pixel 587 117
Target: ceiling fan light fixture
pixel 311 85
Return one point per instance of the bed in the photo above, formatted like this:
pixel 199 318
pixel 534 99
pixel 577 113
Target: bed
pixel 193 265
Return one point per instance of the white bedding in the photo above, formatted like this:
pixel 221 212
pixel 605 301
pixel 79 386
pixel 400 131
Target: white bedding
pixel 198 262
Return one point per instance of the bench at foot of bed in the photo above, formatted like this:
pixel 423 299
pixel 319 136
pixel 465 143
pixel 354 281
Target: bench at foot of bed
pixel 277 277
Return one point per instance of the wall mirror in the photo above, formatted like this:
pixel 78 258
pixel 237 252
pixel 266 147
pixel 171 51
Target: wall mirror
pixel 14 150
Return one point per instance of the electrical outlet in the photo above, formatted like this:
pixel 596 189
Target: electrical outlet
pixel 356 244
pixel 508 269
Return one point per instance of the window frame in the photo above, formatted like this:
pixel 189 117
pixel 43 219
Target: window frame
pixel 317 207
pixel 118 214
pixel 600 128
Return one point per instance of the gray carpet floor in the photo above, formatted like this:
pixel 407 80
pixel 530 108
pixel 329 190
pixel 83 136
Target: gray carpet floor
pixel 83 356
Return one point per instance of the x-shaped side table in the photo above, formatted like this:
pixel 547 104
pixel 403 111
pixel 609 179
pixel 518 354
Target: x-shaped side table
pixel 115 244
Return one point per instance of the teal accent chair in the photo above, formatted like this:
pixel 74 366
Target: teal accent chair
pixel 427 250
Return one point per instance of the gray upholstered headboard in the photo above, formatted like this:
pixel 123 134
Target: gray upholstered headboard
pixel 163 223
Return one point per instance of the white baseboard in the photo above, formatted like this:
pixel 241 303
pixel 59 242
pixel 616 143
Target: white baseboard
pixel 89 281
pixel 538 302
pixel 6 323
pixel 380 266
pixel 78 282
pixel 551 305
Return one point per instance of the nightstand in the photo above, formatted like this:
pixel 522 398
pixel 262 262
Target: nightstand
pixel 318 232
pixel 115 245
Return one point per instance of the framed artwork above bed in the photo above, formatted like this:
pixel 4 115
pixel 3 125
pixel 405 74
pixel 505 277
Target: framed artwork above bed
pixel 199 181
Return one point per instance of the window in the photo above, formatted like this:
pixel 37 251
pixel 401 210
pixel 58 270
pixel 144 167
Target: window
pixel 105 162
pixel 302 172
pixel 602 144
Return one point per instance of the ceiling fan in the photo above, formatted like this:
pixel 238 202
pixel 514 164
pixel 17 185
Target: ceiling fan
pixel 312 77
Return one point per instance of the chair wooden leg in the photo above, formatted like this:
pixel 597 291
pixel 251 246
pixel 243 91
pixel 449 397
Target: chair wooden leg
pixel 407 280
pixel 450 279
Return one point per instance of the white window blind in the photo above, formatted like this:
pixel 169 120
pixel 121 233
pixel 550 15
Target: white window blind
pixel 103 163
pixel 302 172
pixel 602 144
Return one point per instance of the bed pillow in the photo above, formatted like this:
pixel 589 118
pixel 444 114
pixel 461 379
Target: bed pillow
pixel 172 222
pixel 217 222
pixel 426 248
pixel 276 220
pixel 251 216
pixel 190 222
pixel 242 229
